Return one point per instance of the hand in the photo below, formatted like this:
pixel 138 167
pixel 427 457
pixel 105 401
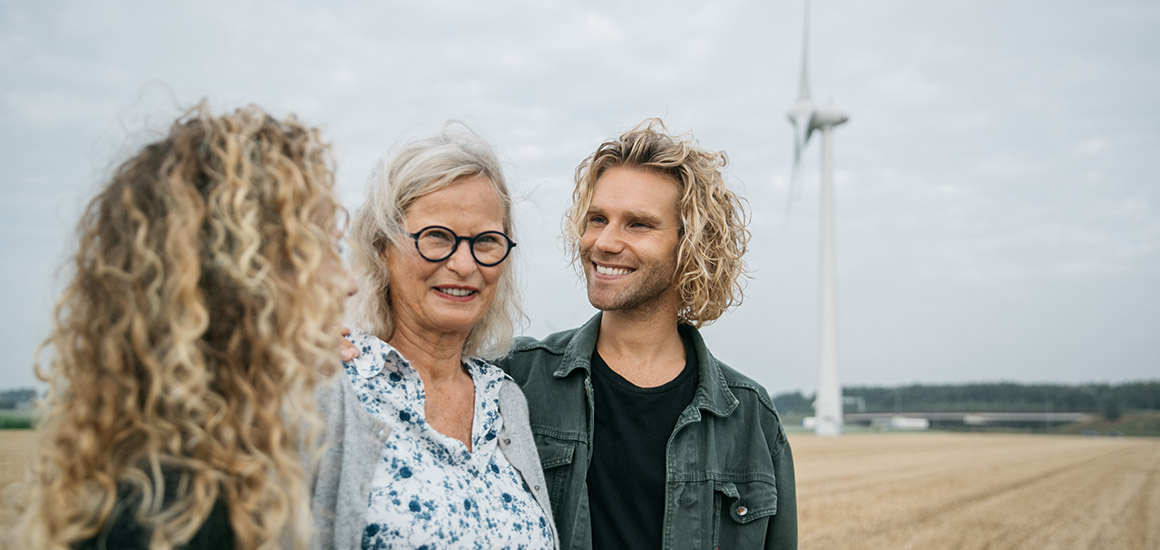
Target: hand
pixel 346 350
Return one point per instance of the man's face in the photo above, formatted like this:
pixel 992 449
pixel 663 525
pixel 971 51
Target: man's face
pixel 630 240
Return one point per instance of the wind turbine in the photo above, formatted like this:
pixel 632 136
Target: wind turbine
pixel 806 116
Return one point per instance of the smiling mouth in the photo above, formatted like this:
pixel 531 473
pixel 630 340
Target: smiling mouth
pixel 457 292
pixel 605 270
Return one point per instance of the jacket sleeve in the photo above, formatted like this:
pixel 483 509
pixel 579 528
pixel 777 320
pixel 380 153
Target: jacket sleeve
pixel 782 534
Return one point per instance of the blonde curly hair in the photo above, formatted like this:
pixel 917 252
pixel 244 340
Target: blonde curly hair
pixel 714 238
pixel 201 313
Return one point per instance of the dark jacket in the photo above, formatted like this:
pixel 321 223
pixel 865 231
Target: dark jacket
pixel 122 531
pixel 730 480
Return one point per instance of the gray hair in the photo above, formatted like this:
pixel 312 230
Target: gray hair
pixel 423 166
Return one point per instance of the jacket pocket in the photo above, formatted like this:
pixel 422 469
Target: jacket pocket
pixel 556 458
pixel 743 512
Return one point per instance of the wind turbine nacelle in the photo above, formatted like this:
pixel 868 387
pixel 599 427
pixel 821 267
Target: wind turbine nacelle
pixel 828 117
pixel 803 109
pixel 803 117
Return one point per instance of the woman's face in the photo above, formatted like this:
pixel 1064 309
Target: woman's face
pixel 449 296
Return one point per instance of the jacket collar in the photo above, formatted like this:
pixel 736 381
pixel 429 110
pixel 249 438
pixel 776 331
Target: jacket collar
pixel 578 354
pixel 713 392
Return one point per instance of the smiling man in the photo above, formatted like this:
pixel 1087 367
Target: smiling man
pixel 646 439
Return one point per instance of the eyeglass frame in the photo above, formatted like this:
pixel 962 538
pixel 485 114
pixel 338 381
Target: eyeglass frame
pixel 470 245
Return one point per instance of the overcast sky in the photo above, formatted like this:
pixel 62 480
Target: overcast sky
pixel 997 197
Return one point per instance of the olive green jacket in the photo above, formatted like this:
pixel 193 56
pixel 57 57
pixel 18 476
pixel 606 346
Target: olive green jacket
pixel 729 481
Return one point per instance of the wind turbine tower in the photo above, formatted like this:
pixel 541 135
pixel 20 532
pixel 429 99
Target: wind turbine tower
pixel 806 116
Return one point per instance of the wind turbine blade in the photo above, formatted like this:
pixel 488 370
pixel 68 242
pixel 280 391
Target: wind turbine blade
pixel 803 125
pixel 793 189
pixel 804 85
pixel 801 119
pixel 802 116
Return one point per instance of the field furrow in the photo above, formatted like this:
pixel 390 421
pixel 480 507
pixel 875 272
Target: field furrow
pixel 972 492
pixel 939 491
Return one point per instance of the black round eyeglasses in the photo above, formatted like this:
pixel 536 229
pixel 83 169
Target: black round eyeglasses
pixel 436 243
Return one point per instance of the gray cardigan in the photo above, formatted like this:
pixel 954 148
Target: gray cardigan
pixel 355 441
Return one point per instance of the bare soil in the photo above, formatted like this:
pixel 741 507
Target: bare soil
pixel 934 490
pixel 16 448
pixel 977 491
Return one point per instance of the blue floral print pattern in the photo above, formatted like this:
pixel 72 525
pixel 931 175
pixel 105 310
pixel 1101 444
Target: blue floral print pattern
pixel 428 490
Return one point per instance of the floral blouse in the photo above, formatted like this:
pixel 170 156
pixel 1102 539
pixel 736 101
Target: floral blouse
pixel 428 490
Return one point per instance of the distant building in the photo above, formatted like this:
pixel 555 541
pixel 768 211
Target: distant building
pixel 900 423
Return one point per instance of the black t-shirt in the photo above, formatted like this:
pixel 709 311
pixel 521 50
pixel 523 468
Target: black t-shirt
pixel 626 478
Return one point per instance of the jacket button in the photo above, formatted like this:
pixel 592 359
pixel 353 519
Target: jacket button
pixel 536 488
pixel 507 441
pixel 741 511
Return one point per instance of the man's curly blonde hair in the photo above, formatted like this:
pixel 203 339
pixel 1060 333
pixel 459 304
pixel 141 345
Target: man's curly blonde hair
pixel 714 238
pixel 202 309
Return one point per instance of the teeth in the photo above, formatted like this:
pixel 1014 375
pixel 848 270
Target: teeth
pixel 456 291
pixel 612 270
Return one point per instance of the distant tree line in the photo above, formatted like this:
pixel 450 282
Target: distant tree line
pixel 1108 399
pixel 18 398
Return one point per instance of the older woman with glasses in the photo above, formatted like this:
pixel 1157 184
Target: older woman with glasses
pixel 430 444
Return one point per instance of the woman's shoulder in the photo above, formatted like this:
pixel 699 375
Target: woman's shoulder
pixel 498 383
pixel 486 367
pixel 375 355
pixel 124 528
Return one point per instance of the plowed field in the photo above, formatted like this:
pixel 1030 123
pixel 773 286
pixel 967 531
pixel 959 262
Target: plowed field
pixel 16 447
pixel 950 491
pixel 945 491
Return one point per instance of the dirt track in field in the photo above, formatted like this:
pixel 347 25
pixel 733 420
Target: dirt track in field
pixel 16 447
pixel 994 492
pixel 942 491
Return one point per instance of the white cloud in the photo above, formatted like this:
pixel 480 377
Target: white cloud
pixel 907 85
pixel 973 120
pixel 986 162
pixel 52 109
pixel 1091 147
pixel 1006 166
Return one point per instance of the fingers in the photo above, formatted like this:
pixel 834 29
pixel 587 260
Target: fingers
pixel 346 350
